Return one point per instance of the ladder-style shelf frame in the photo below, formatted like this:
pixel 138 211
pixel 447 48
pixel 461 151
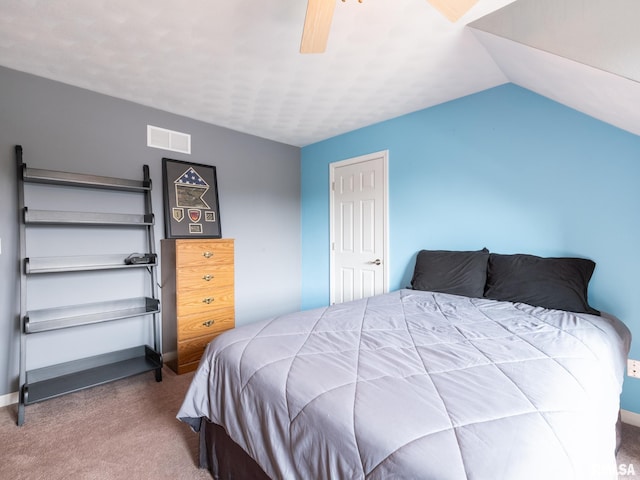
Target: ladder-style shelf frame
pixel 48 382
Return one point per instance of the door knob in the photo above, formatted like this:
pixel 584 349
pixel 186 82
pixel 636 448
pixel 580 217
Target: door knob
pixel 377 261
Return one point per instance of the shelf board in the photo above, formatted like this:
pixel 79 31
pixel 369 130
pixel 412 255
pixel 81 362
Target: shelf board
pixel 52 177
pixel 50 382
pixel 56 217
pixel 44 320
pixel 80 263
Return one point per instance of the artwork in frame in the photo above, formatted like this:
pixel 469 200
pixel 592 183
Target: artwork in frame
pixel 191 208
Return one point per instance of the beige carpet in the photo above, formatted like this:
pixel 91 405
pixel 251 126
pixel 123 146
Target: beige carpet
pixel 123 430
pixel 629 454
pixel 127 430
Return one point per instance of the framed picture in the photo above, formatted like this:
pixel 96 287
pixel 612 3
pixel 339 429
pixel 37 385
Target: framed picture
pixel 191 207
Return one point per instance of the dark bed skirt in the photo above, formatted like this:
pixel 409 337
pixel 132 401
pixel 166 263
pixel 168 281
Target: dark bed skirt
pixel 224 458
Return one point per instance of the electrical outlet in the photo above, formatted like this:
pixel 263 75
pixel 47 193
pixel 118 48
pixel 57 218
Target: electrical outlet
pixel 633 368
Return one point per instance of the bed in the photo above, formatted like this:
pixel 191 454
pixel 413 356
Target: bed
pixel 439 381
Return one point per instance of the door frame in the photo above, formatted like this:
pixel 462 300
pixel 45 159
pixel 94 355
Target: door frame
pixel 384 154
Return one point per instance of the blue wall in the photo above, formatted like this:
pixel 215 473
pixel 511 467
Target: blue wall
pixel 504 169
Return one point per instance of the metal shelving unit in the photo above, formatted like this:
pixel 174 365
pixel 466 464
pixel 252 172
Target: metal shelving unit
pixel 51 381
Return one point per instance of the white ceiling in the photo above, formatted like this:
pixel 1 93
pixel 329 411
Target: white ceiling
pixel 236 63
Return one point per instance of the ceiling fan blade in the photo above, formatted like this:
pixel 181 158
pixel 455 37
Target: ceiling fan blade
pixel 317 23
pixel 453 9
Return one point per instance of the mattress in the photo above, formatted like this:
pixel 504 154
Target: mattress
pixel 415 384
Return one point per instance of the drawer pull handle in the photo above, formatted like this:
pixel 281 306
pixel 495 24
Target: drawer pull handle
pixel 207 300
pixel 207 277
pixel 208 323
pixel 207 254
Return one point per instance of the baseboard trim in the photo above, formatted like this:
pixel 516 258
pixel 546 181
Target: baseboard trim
pixel 630 418
pixel 8 399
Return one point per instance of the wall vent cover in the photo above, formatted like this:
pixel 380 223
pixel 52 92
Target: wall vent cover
pixel 168 140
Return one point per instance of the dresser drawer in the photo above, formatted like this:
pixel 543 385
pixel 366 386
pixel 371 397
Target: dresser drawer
pixel 203 300
pixel 203 277
pixel 208 323
pixel 204 253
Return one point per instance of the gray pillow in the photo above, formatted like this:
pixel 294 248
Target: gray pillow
pixel 455 272
pixel 555 283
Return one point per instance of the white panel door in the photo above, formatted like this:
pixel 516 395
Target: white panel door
pixel 358 220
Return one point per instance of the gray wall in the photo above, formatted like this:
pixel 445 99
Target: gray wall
pixel 66 128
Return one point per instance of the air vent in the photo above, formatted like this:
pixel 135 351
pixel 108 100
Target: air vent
pixel 168 139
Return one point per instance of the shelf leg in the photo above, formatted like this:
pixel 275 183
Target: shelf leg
pixel 158 374
pixel 21 408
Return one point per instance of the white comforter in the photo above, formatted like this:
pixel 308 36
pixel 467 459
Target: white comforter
pixel 419 385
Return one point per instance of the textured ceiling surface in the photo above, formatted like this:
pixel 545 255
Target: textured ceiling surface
pixel 237 64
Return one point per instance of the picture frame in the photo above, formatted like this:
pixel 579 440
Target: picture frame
pixel 191 208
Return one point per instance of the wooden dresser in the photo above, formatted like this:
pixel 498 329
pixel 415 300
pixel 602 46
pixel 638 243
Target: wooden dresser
pixel 197 296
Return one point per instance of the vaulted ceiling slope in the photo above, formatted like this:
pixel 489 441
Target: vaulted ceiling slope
pixel 581 53
pixel 237 64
